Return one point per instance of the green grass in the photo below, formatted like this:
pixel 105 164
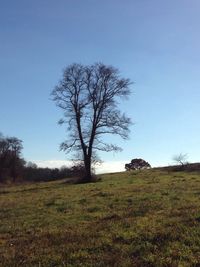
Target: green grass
pixel 147 218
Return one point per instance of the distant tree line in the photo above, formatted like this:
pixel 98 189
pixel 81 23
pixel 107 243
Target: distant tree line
pixel 32 172
pixel 13 168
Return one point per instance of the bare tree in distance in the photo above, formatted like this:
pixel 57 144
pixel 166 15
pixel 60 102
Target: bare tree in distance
pixel 88 97
pixel 10 156
pixel 4 152
pixel 16 162
pixel 31 164
pixel 180 159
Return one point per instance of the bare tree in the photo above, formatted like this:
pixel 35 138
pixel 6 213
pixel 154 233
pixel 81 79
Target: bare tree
pixel 4 152
pixel 16 162
pixel 88 97
pixel 180 159
pixel 10 156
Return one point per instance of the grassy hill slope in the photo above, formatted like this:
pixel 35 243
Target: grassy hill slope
pixel 147 218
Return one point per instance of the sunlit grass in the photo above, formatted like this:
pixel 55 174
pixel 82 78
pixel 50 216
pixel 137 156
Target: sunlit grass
pixel 147 218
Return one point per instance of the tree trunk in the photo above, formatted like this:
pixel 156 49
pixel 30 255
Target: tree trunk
pixel 14 177
pixel 88 175
pixel 1 175
pixel 13 174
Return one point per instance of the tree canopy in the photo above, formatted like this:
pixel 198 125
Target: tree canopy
pixel 137 164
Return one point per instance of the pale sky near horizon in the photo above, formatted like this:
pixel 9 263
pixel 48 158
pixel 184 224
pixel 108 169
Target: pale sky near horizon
pixel 154 43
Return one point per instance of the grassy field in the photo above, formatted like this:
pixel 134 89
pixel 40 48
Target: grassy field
pixel 147 218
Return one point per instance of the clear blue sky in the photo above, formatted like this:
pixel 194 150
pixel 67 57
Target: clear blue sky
pixel 154 43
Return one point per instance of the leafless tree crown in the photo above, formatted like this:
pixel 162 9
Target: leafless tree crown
pixel 88 96
pixel 180 159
